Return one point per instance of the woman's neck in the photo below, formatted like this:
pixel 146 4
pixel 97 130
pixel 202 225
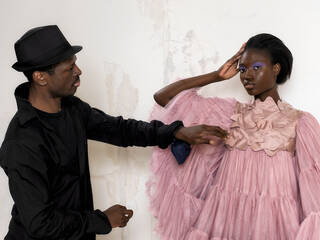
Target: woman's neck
pixel 273 93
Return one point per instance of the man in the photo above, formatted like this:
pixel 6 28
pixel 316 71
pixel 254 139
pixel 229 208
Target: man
pixel 44 153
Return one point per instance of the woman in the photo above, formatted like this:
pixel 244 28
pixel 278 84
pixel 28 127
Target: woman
pixel 262 180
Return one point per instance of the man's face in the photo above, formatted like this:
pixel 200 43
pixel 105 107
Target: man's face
pixel 65 80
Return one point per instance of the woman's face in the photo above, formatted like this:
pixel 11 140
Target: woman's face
pixel 257 73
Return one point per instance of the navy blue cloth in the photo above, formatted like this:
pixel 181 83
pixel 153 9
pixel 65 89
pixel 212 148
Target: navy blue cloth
pixel 180 150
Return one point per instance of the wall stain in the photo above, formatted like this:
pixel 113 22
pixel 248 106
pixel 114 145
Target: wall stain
pixel 187 56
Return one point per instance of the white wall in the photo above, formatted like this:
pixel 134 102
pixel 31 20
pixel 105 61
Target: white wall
pixel 134 47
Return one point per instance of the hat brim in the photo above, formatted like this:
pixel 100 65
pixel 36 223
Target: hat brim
pixel 21 67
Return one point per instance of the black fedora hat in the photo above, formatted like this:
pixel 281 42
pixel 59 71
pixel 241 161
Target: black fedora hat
pixel 41 47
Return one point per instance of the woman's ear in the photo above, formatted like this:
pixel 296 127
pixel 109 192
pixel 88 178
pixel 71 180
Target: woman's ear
pixel 276 69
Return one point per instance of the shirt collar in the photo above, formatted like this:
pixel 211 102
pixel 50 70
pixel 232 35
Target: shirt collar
pixel 270 104
pixel 26 111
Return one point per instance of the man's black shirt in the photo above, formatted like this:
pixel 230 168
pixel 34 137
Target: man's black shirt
pixel 62 123
pixel 46 160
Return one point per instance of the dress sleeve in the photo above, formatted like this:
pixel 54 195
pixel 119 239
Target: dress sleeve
pixel 177 192
pixel 192 108
pixel 308 157
pixel 29 185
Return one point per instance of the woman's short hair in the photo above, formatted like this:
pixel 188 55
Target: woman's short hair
pixel 278 52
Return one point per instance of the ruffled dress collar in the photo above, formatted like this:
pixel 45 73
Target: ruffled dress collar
pixel 263 125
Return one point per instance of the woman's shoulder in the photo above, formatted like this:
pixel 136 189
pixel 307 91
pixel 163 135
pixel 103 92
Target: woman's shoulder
pixel 308 120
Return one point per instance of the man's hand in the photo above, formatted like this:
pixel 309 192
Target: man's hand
pixel 201 134
pixel 118 215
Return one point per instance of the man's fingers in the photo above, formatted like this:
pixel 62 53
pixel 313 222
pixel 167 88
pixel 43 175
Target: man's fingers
pixel 120 206
pixel 128 213
pixel 203 140
pixel 124 224
pixel 214 130
pixel 222 131
pixel 213 135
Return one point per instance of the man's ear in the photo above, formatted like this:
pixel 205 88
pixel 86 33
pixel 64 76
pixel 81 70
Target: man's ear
pixel 40 78
pixel 276 69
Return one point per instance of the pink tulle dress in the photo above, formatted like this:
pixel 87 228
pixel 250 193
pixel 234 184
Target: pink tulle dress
pixel 262 183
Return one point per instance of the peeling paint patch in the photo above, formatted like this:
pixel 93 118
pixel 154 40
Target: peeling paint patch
pixel 154 10
pixel 127 97
pixel 122 96
pixel 188 57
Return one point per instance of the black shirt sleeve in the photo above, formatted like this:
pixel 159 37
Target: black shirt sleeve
pixel 130 132
pixel 29 184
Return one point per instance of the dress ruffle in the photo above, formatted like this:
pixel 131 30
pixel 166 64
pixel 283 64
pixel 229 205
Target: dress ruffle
pixel 193 108
pixel 264 126
pixel 233 193
pixel 175 200
pixel 308 156
pixel 253 196
pixel 310 228
pixel 235 215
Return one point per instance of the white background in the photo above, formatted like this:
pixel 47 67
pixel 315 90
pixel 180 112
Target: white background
pixel 132 48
